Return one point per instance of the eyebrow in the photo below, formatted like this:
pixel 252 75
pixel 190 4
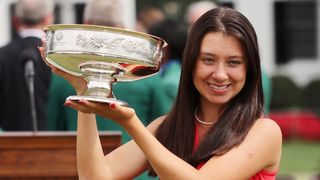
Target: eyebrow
pixel 210 54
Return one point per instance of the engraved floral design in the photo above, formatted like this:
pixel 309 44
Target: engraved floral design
pixel 115 43
pixel 99 41
pixel 138 48
pixel 81 41
pixel 59 36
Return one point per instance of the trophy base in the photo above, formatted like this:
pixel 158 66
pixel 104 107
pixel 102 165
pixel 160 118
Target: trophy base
pixel 98 99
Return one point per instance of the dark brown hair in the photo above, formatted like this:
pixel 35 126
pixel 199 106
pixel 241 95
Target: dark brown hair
pixel 176 133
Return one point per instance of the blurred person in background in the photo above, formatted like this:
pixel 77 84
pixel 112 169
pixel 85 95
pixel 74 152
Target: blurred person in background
pixel 145 96
pixel 20 60
pixel 104 13
pixel 175 34
pixel 147 17
pixel 197 9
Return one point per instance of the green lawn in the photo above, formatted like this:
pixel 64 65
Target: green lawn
pixel 300 158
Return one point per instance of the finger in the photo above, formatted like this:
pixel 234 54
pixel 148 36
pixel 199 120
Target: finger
pixel 43 40
pixel 42 53
pixel 79 106
pixel 112 105
pixel 125 112
pixel 97 107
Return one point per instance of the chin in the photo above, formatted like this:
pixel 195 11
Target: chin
pixel 220 101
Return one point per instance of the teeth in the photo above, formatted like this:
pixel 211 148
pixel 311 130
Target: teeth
pixel 219 87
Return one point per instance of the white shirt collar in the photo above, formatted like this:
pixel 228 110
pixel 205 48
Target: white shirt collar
pixel 32 33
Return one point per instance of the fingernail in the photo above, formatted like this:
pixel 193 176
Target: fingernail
pixel 82 101
pixel 67 103
pixel 112 105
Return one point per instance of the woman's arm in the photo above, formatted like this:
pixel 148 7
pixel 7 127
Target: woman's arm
pixel 261 149
pixel 125 162
pixel 165 163
pixel 90 161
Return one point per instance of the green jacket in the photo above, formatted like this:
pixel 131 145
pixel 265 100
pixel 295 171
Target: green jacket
pixel 146 96
pixel 170 78
pixel 267 88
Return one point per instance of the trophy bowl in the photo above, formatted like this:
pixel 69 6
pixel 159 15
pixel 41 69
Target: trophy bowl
pixel 102 55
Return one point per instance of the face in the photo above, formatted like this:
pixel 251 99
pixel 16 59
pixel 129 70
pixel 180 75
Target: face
pixel 220 70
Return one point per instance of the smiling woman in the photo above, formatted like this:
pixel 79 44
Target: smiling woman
pixel 216 128
pixel 220 71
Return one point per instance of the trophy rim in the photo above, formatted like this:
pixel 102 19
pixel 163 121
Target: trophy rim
pixel 74 52
pixel 54 27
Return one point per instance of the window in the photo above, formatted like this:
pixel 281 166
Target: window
pixel 295 30
pixel 79 7
pixel 226 4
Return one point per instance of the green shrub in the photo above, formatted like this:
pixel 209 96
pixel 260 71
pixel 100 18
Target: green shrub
pixel 311 96
pixel 285 94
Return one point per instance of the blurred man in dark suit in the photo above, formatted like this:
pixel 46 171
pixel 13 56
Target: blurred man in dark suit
pixel 24 77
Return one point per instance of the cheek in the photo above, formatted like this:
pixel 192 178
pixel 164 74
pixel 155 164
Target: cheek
pixel 195 76
pixel 238 75
pixel 196 71
pixel 198 74
pixel 201 70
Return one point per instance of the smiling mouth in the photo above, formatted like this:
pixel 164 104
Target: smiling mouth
pixel 219 87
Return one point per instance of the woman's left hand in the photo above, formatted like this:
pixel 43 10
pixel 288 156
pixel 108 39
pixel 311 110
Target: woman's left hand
pixel 116 112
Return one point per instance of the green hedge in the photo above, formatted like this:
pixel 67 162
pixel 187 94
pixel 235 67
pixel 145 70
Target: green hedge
pixel 311 96
pixel 285 94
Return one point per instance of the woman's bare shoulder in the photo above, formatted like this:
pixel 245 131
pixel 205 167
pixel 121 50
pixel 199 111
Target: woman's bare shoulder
pixel 268 127
pixel 267 131
pixel 153 126
pixel 266 135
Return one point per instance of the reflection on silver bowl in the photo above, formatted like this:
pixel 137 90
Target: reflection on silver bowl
pixel 103 55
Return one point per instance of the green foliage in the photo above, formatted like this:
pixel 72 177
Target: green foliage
pixel 285 93
pixel 311 96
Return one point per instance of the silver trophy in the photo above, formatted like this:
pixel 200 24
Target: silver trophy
pixel 103 56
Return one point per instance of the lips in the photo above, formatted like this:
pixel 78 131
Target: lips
pixel 219 87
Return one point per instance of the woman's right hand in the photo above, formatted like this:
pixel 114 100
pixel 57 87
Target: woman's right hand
pixel 78 82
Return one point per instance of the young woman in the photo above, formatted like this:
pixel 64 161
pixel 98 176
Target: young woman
pixel 215 130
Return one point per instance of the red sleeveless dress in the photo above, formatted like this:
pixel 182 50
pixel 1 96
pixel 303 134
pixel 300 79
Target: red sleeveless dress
pixel 261 175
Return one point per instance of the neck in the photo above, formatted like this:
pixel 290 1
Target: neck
pixel 203 122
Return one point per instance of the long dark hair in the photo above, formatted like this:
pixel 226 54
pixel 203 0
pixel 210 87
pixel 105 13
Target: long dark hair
pixel 177 131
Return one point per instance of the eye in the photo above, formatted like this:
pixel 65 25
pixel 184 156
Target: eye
pixel 234 62
pixel 207 60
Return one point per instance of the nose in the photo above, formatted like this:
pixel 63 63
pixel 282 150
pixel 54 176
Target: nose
pixel 220 73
